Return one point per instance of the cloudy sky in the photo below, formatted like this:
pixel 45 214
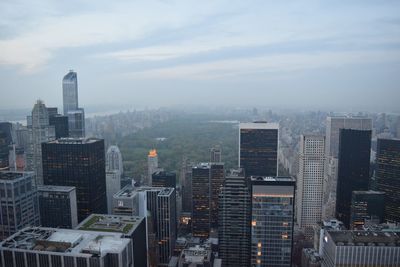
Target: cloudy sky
pixel 342 55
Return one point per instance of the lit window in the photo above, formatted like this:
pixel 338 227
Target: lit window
pixel 259 244
pixel 253 223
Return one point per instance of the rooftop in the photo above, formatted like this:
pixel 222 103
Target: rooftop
pixel 166 191
pixel 369 192
pixel 84 243
pixel 10 175
pixel 55 188
pixel 130 192
pixel 74 141
pixel 196 254
pixel 71 75
pixel 110 223
pixel 272 179
pixel 365 238
pixel 259 125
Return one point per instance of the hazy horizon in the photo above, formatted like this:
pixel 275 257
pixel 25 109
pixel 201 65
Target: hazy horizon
pixel 304 54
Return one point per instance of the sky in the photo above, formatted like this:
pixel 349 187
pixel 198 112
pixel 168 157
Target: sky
pixel 338 55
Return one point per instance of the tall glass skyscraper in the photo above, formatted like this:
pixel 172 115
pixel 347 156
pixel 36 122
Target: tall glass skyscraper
pixel 70 92
pixel 258 148
pixel 353 169
pixel 272 222
pixel 387 176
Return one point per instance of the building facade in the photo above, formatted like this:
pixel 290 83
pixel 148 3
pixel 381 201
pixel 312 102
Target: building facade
pixel 258 148
pixel 360 248
pixel 80 163
pixel 272 220
pixel 164 179
pixel 310 182
pixel 40 246
pixel 76 123
pixel 366 205
pixel 152 165
pixel 60 124
pixel 217 179
pixel 387 176
pixel 114 160
pixel 70 92
pixel 57 205
pixel 234 221
pixel 215 154
pixel 201 221
pixel 113 185
pixel 19 202
pixel 353 169
pixel 40 131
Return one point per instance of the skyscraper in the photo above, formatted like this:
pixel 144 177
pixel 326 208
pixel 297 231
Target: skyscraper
pixel 201 223
pixel 234 220
pixel 164 179
pixel 258 148
pixel 114 159
pixel 272 223
pixel 80 163
pixel 215 154
pixel 387 176
pixel 152 165
pixel 70 92
pixel 353 169
pixel 19 202
pixel 333 126
pixel 217 179
pixel 57 205
pixel 166 224
pixel 60 124
pixel 76 123
pixel 366 205
pixel 40 131
pixel 113 185
pixel 5 143
pixel 310 182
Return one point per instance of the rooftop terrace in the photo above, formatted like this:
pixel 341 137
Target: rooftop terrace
pixel 365 238
pixel 110 223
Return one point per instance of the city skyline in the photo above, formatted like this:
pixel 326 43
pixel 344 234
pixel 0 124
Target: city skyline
pixel 259 54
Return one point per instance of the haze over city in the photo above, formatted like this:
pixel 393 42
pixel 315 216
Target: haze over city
pixel 305 54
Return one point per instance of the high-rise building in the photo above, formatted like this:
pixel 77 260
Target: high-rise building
pixel 186 175
pixel 164 179
pixel 57 205
pixel 5 143
pixel 360 248
pixel 234 221
pixel 333 126
pixel 19 202
pixel 215 154
pixel 366 205
pixel 114 159
pixel 258 148
pixel 130 201
pixel 59 122
pixel 80 163
pixel 39 246
pixel 310 182
pixel 166 224
pixel 76 123
pixel 70 92
pixel 113 185
pixel 272 220
pixel 132 227
pixel 40 131
pixel 387 176
pixel 353 169
pixel 201 221
pixel 217 179
pixel 152 165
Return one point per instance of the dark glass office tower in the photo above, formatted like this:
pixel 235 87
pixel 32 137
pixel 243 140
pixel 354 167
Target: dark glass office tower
pixel 387 176
pixel 234 221
pixel 80 163
pixel 5 142
pixel 217 178
pixel 60 124
pixel 353 169
pixel 57 205
pixel 258 148
pixel 164 179
pixel 366 205
pixel 201 200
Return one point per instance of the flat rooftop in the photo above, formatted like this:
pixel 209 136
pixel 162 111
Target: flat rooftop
pixel 166 191
pixel 56 188
pixel 369 192
pixel 10 175
pixel 74 141
pixel 130 192
pixel 259 125
pixel 66 241
pixel 272 179
pixel 365 238
pixel 196 254
pixel 110 223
